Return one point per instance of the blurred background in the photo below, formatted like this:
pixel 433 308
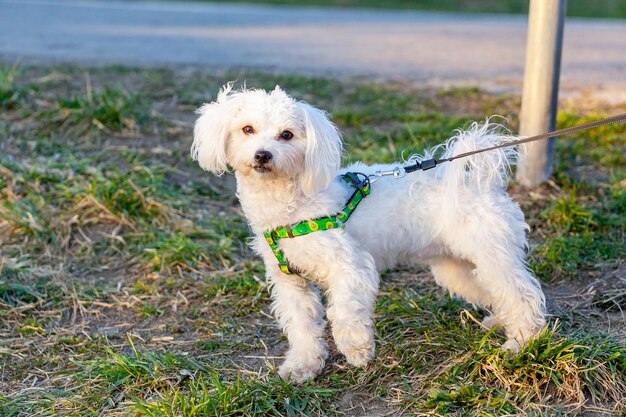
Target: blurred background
pixel 395 41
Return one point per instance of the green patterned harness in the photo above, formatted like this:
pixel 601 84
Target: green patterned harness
pixel 362 189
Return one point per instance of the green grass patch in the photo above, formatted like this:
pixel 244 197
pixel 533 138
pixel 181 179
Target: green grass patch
pixel 130 194
pixel 55 205
pixel 166 384
pixel 109 109
pixel 15 294
pixel 10 91
pixel 570 369
pixel 168 251
pixel 603 146
pixel 213 396
pixel 581 232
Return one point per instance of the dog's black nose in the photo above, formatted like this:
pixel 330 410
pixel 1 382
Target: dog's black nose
pixel 262 157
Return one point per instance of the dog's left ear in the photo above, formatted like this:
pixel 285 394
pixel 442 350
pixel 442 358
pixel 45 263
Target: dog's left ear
pixel 322 158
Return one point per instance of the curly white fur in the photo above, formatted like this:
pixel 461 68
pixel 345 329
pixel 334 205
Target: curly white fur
pixel 457 218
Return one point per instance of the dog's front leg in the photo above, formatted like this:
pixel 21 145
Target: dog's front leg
pixel 299 311
pixel 352 293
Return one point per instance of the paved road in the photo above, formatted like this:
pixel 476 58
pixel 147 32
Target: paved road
pixel 428 48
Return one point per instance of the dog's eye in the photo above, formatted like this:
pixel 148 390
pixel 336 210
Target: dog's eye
pixel 248 130
pixel 286 135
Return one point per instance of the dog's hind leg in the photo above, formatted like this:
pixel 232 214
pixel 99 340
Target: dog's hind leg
pixel 517 300
pixel 457 276
pixel 299 311
pixel 513 293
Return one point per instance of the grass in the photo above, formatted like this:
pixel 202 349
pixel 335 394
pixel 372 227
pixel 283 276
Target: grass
pixel 9 92
pixel 111 109
pixel 127 288
pixel 581 8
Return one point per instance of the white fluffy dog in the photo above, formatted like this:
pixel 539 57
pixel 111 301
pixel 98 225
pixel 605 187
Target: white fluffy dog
pixel 457 218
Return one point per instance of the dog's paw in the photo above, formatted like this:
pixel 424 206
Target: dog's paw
pixel 489 322
pixel 511 346
pixel 359 356
pixel 356 345
pixel 301 370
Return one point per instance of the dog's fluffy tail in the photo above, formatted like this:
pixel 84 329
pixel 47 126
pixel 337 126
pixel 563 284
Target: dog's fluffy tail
pixel 486 170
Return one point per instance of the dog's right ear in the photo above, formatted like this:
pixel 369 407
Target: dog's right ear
pixel 210 133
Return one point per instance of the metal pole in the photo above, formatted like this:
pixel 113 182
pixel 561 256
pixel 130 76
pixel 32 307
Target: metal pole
pixel 541 87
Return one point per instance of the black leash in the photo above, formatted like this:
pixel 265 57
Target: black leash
pixel 431 163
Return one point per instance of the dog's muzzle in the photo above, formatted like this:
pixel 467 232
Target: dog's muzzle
pixel 262 161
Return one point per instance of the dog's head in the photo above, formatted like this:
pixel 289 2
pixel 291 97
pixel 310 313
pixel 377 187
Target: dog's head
pixel 267 135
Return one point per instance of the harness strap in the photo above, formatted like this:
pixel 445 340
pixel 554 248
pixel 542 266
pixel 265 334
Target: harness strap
pixel 361 184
